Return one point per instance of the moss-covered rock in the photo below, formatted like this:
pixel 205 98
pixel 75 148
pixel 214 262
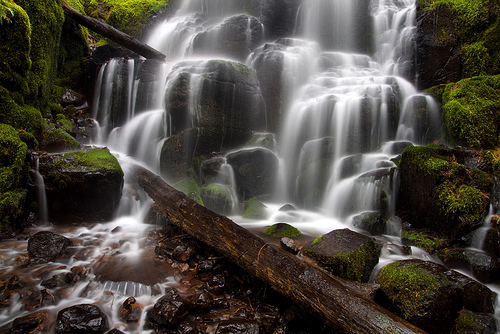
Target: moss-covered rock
pixel 219 198
pixel 469 322
pixel 12 158
pixel 190 188
pixel 82 185
pixel 372 222
pixel 15 45
pixel 471 111
pixel 345 253
pixel 19 116
pixel 443 190
pixel 282 230
pixel 11 208
pixel 254 209
pixel 426 241
pixel 58 140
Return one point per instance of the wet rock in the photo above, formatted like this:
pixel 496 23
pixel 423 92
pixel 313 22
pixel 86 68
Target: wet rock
pixel 188 327
pixel 115 331
pixel 201 302
pixel 372 222
pixel 254 209
pixel 236 37
pixel 167 311
pixel 429 295
pixel 218 198
pixel 70 97
pixel 34 298
pixel 254 170
pixel 469 323
pixel 85 130
pixel 83 318
pixel 485 267
pixel 38 322
pixel 289 245
pixel 345 253
pixel 130 310
pixel 237 326
pixel 491 242
pixel 47 246
pixel 58 280
pixel 438 48
pixel 83 185
pixel 279 17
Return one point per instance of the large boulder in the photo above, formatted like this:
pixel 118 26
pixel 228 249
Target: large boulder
pixel 82 185
pixel 47 246
pixel 236 37
pixel 345 253
pixel 255 170
pixel 429 295
pixel 443 190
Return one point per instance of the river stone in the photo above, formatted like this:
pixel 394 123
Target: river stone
pixel 485 267
pixel 345 253
pixel 83 318
pixel 255 171
pixel 47 246
pixel 430 295
pixel 83 185
pixel 167 311
pixel 38 322
pixel 237 326
pixel 372 222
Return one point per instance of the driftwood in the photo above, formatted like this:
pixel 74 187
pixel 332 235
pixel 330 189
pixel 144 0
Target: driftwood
pixel 327 297
pixel 112 33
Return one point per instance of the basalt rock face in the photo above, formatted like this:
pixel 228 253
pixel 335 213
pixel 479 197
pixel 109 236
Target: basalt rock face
pixel 82 185
pixel 438 48
pixel 213 106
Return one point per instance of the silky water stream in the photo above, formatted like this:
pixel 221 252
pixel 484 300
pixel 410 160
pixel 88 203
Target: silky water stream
pixel 344 111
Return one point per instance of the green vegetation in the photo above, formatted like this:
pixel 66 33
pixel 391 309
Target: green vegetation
pixel 129 16
pixel 281 230
pixel 254 209
pixel 425 241
pixel 12 158
pixel 471 111
pixel 94 159
pixel 190 188
pixel 410 287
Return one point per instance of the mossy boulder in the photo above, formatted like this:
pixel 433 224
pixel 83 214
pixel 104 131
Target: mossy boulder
pixel 12 158
pixel 219 198
pixel 18 115
pixel 429 295
pixel 82 186
pixel 15 46
pixel 372 222
pixel 443 190
pixel 190 188
pixel 345 253
pixel 471 112
pixel 11 208
pixel 423 239
pixel 58 140
pixel 469 322
pixel 254 209
pixel 282 230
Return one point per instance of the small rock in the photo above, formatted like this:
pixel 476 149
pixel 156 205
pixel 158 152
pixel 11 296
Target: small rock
pixel 83 318
pixel 46 246
pixel 38 322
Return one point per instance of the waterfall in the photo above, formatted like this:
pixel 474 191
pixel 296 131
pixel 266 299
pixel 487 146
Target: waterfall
pixel 41 196
pixel 338 103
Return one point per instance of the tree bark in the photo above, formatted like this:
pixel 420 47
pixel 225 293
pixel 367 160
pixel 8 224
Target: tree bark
pixel 327 297
pixel 112 33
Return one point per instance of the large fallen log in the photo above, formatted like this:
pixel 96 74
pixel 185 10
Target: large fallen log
pixel 344 309
pixel 112 33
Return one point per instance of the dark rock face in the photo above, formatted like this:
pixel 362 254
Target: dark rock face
pixel 470 322
pixel 254 169
pixel 347 254
pixel 372 222
pixel 484 267
pixel 279 17
pixel 84 318
pixel 46 246
pixel 236 37
pixel 82 185
pixel 225 109
pixel 438 48
pixel 430 295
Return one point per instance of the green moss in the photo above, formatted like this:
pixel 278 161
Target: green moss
pixel 58 140
pixel 254 209
pixel 471 111
pixel 427 242
pixel 10 208
pixel 281 230
pixel 190 188
pixel 93 160
pixel 410 287
pixel 46 19
pixel 66 124
pixel 12 158
pixel 463 200
pixel 129 16
pixel 15 45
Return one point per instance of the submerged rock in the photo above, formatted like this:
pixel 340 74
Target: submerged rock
pixel 345 253
pixel 38 322
pixel 83 318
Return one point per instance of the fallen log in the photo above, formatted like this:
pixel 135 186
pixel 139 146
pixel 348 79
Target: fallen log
pixel 112 33
pixel 327 297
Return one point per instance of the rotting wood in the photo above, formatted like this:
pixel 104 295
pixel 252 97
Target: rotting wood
pixel 112 33
pixel 327 297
